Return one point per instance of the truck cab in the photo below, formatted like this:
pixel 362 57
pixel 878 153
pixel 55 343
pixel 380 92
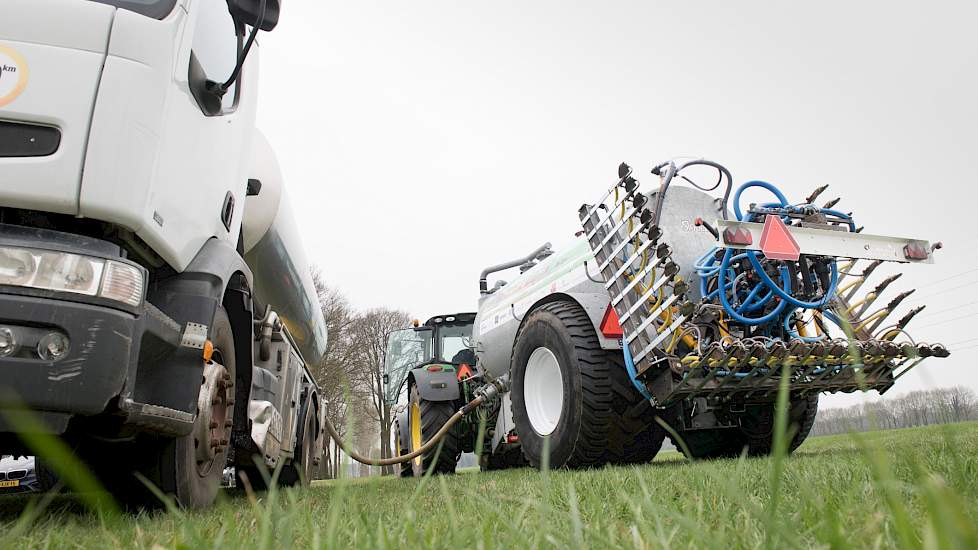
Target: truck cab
pixel 147 254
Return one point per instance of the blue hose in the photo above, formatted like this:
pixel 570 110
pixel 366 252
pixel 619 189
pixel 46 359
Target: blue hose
pixel 794 334
pixel 632 373
pixel 756 298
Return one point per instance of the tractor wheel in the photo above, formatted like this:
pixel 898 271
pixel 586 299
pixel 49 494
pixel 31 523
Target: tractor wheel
pixel 425 418
pixel 300 470
pixel 404 469
pixel 562 394
pixel 635 436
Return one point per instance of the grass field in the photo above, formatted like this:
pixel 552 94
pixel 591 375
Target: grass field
pixel 903 488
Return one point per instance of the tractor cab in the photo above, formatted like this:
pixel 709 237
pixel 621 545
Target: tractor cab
pixel 442 341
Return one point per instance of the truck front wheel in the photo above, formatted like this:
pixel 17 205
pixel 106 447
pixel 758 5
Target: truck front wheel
pixel 191 466
pixel 561 388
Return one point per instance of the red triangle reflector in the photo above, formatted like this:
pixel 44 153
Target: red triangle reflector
pixel 777 243
pixel 610 327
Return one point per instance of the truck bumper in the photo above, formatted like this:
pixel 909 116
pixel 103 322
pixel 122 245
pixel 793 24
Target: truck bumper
pixel 92 372
pixel 98 373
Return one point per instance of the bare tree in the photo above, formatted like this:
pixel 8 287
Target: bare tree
pixel 917 408
pixel 370 333
pixel 337 373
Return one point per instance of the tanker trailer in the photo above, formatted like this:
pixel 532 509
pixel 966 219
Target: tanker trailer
pixel 682 306
pixel 132 325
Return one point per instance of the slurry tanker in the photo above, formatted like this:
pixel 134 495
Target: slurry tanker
pixel 680 311
pixel 156 309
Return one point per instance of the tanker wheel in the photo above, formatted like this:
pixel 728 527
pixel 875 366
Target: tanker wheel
pixel 404 469
pixel 758 425
pixel 425 419
pixel 191 466
pixel 300 470
pixel 634 435
pixel 756 433
pixel 502 460
pixel 562 394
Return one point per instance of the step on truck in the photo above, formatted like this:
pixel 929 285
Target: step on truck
pixel 680 312
pixel 156 310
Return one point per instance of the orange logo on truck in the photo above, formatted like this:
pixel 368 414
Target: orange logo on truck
pixel 13 75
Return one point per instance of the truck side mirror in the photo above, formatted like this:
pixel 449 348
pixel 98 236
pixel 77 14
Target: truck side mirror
pixel 249 12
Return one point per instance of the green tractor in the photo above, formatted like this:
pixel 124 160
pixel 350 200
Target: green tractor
pixel 430 373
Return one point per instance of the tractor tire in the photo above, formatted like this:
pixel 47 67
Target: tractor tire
pixel 425 419
pixel 562 392
pixel 634 437
pixel 404 468
pixel 299 472
pixel 756 433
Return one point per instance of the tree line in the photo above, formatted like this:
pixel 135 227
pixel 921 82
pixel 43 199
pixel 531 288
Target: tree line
pixel 351 375
pixel 917 408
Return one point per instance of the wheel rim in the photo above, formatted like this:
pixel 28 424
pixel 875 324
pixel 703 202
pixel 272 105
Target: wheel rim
pixel 214 404
pixel 416 430
pixel 543 391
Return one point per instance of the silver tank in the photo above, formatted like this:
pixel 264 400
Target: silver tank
pixel 501 313
pixel 273 250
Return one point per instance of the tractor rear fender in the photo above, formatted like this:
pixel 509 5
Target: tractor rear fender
pixel 439 385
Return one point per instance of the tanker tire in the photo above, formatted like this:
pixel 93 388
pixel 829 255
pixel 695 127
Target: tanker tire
pixel 759 427
pixel 444 456
pixel 756 433
pixel 710 444
pixel 634 437
pixel 502 459
pixel 300 474
pixel 580 437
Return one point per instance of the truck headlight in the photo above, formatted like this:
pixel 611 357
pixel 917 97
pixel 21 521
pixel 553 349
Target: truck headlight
pixel 61 271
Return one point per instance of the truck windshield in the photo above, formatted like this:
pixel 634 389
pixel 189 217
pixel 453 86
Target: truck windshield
pixel 157 9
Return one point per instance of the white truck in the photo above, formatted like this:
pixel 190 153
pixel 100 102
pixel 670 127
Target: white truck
pixel 156 310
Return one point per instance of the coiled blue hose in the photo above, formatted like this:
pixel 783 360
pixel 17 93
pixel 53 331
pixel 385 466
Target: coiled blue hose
pixel 707 268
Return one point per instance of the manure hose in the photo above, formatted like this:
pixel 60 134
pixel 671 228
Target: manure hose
pixel 487 393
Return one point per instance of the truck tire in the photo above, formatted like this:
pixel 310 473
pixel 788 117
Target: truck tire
pixel 425 418
pixel 404 469
pixel 756 433
pixel 191 466
pixel 299 471
pixel 562 394
pixel 634 435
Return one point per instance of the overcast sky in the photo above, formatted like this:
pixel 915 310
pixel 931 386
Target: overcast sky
pixel 422 141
